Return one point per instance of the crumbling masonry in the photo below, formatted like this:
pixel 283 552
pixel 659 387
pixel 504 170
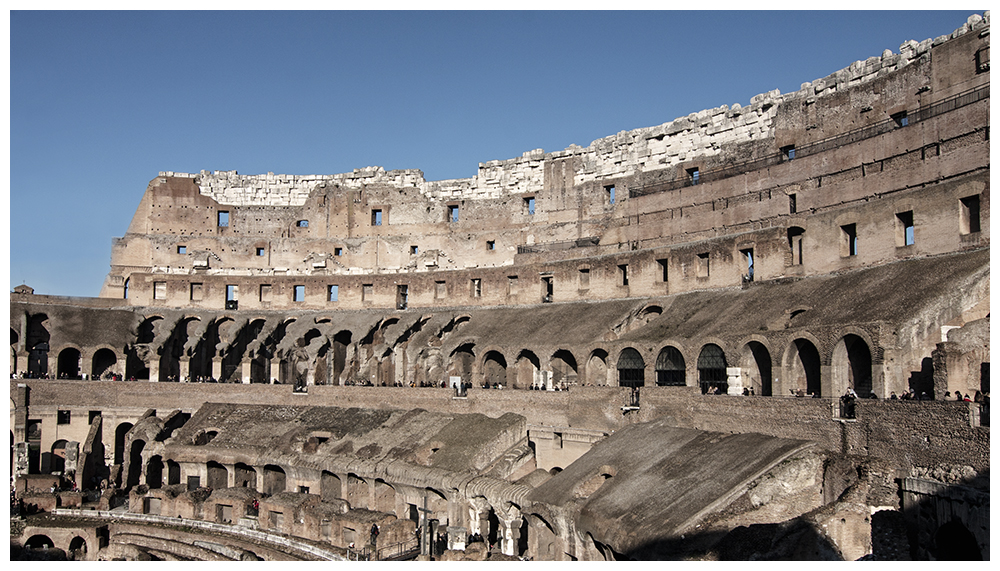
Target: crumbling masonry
pixel 552 354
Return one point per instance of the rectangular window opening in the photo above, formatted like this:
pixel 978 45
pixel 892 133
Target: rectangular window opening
pixel 299 293
pixel 376 217
pixel 453 213
pixel 748 260
pixel 548 289
pixel 440 290
pixel 302 224
pixel 265 292
pixel 491 245
pixel 694 175
pixel 788 152
pixel 366 292
pixel 259 251
pixel 182 249
pixel 62 417
pixel 792 204
pixel 402 296
pixel 904 229
pixel 159 290
pixel 511 285
pixel 609 191
pixel 223 218
pixel 623 274
pixel 529 205
pixel 663 268
pixel 969 220
pixel 849 240
pixel 901 119
pixel 413 250
pixel 197 292
pixel 476 287
pixel 703 268
pixel 584 278
pixel 338 251
pixel 332 292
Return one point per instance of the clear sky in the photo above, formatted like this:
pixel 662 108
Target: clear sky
pixel 100 102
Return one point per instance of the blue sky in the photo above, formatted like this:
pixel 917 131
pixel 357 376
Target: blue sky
pixel 100 102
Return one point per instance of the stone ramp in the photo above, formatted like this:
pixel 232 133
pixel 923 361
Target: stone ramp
pixel 651 482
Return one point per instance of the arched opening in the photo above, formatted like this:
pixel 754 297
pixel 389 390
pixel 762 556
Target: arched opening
pixel 39 542
pixel 103 364
pixel 755 364
pixel 385 497
pixel 120 434
pixel 494 369
pixel 154 473
pixel 851 366
pixel 357 491
pixel 77 549
pixel 462 359
pixel 712 370
pixel 329 486
pixel 135 463
pixel 69 363
pixel 274 480
pixel 57 457
pixel 795 235
pixel 955 542
pixel 37 342
pixel 526 368
pixel 670 370
pixel 14 338
pixel 631 368
pixel 803 368
pixel 597 368
pixel 244 476
pixel 218 475
pixel 564 372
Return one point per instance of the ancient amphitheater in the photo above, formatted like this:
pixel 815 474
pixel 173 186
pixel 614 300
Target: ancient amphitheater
pixel 631 350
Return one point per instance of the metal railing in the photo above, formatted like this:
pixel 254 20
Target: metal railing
pixel 874 130
pixel 563 245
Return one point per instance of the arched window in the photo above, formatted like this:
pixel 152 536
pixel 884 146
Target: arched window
pixel 631 368
pixel 670 367
pixel 712 370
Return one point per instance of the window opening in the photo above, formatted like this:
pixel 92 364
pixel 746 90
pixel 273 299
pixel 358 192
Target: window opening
pixel 265 292
pixel 62 417
pixel 453 213
pixel 695 175
pixel 332 292
pixel 159 290
pixel 260 251
pixel 491 245
pixel 197 292
pixel 366 292
pixel 712 370
pixel 232 296
pixel 547 289
pixel 376 217
pixel 904 228
pixel 529 204
pixel 182 249
pixel 477 287
pixel 748 262
pixel 670 367
pixel 584 278
pixel 402 296
pixel 610 192
pixel 302 224
pixel 440 289
pixel 849 245
pixel 223 218
pixel 795 244
pixel 511 285
pixel 623 274
pixel 631 368
pixel 413 250
pixel 969 222
pixel 703 268
pixel 338 251
pixel 901 119
pixel 788 152
pixel 792 206
pixel 299 293
pixel 663 268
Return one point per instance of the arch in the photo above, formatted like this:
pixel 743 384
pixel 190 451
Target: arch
pixel 135 463
pixel 77 549
pixel 631 368
pixel 329 486
pixel 103 363
pixel 670 367
pixel 154 473
pixel 801 369
pixel 37 345
pixel 173 473
pixel 39 541
pixel 385 497
pixel 461 362
pixel 274 479
pixel 218 475
pixel 851 366
pixel 955 542
pixel 597 367
pixel 57 457
pixel 755 368
pixel 564 370
pixel 526 369
pixel 357 491
pixel 120 435
pixel 494 368
pixel 712 370
pixel 244 476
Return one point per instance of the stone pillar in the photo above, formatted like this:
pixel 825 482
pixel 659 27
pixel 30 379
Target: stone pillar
pixel 479 516
pixel 22 362
pixel 275 370
pixel 21 459
pixel 154 370
pixel 217 368
pixel 510 529
pixel 230 475
pixel 734 380
pixel 185 369
pixel 245 366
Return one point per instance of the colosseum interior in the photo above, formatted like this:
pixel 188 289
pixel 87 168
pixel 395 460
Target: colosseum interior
pixel 640 349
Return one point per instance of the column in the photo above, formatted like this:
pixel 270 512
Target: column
pixel 275 370
pixel 217 368
pixel 185 369
pixel 245 366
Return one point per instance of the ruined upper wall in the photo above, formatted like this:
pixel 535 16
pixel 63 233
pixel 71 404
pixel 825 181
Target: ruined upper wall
pixel 701 134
